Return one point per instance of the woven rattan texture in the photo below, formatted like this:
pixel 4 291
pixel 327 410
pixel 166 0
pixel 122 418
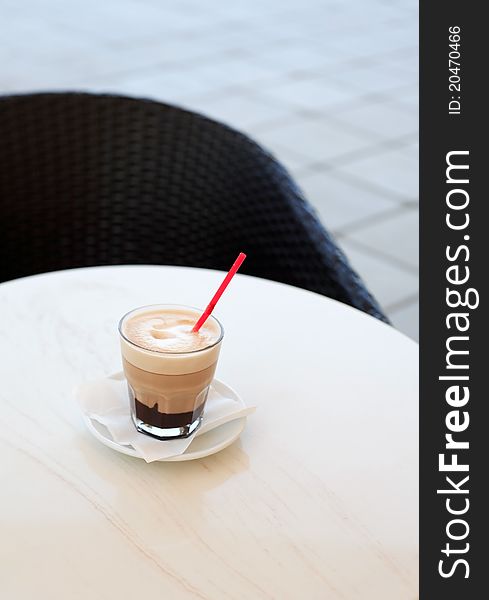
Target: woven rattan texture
pixel 103 180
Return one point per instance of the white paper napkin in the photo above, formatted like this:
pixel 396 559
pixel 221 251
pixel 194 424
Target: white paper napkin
pixel 106 401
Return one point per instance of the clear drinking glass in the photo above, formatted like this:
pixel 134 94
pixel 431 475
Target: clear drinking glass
pixel 168 390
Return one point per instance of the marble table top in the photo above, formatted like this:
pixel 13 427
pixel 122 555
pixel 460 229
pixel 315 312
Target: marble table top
pixel 316 500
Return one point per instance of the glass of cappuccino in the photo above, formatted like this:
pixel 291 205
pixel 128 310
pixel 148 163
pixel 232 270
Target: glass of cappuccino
pixel 168 367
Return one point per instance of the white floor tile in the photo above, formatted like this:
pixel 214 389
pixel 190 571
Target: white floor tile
pixel 396 236
pixel 412 151
pixel 235 71
pixel 408 97
pixel 132 24
pixel 379 78
pixel 389 170
pixel 384 120
pixel 321 140
pixel 340 203
pixel 313 94
pixel 293 57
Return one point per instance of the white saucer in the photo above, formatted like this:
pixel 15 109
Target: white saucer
pixel 202 445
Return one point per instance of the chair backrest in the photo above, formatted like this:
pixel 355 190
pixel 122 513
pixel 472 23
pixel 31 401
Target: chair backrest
pixel 100 180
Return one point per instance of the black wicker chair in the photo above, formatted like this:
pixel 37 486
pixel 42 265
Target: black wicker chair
pixel 102 180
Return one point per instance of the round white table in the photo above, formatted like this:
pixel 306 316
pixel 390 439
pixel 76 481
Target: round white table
pixel 317 499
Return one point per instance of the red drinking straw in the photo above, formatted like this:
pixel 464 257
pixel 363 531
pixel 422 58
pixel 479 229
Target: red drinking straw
pixel 215 299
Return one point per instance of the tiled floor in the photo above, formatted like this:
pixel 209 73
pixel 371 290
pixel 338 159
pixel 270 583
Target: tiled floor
pixel 330 86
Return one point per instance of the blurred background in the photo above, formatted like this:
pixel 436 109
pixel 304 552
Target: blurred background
pixel 328 86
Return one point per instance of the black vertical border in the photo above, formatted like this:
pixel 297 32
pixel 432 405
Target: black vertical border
pixel 439 134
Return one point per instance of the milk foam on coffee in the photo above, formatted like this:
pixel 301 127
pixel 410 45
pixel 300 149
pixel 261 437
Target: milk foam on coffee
pixel 170 331
pixel 158 339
